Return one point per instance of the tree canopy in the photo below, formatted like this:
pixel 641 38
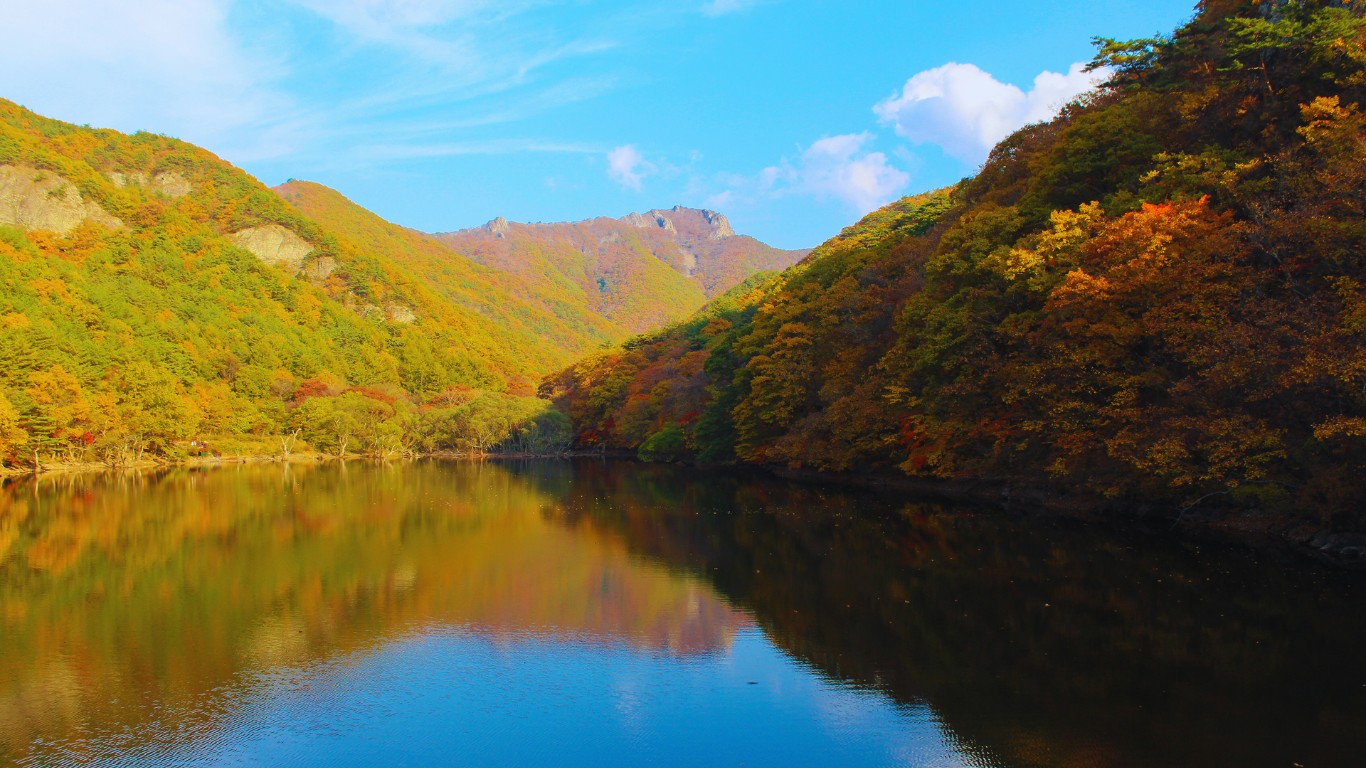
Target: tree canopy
pixel 1157 295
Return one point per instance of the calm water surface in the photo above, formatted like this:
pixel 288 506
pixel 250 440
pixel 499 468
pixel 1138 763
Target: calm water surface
pixel 599 613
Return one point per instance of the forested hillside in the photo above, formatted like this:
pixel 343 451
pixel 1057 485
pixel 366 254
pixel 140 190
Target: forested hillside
pixel 153 297
pixel 641 271
pixel 1158 296
pixel 157 300
pixel 553 327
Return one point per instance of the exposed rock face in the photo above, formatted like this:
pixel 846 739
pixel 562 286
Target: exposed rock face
pixel 691 222
pixel 399 313
pixel 122 180
pixel 274 244
pixel 720 225
pixel 34 199
pixel 391 312
pixel 168 183
pixel 320 269
pixel 651 220
pixel 641 271
pixel 171 184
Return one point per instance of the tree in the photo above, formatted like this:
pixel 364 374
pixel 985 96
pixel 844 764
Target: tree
pixel 60 397
pixel 150 413
pixel 663 446
pixel 13 437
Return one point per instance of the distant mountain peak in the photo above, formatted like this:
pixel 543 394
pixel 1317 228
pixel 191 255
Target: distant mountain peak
pixel 679 223
pixel 649 220
pixel 641 271
pixel 686 222
pixel 498 227
pixel 720 224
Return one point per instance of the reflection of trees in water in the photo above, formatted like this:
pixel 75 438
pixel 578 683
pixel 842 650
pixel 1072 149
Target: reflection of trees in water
pixel 1050 642
pixel 153 591
pixel 1053 642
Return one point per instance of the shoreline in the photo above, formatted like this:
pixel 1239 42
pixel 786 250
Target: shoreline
pixel 96 467
pixel 300 457
pixel 1260 529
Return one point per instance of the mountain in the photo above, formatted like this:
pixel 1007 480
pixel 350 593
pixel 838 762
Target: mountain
pixel 1156 298
pixel 153 293
pixel 154 297
pixel 641 271
pixel 551 327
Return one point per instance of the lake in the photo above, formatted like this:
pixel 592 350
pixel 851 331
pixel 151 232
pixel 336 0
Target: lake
pixel 591 613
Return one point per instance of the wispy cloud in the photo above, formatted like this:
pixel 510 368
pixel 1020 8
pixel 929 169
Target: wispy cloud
pixel 723 7
pixel 473 41
pixel 171 66
pixel 448 68
pixel 628 167
pixel 377 121
pixel 490 147
pixel 966 111
pixel 307 79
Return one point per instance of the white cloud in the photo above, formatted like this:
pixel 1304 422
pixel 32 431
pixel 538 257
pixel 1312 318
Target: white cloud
pixel 966 111
pixel 627 167
pixel 839 167
pixel 170 66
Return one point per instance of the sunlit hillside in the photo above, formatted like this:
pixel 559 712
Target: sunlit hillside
pixel 641 271
pixel 154 294
pixel 551 327
pixel 1157 295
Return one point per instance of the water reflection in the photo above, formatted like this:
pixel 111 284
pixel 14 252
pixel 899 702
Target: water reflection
pixel 260 614
pixel 127 597
pixel 1045 642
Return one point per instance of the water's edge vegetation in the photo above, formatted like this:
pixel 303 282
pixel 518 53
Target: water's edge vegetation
pixel 167 614
pixel 1152 305
pixel 1265 531
pixel 1153 301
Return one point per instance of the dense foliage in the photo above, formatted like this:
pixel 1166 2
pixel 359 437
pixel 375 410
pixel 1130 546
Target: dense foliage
pixel 639 272
pixel 1158 295
pixel 547 324
pixel 146 327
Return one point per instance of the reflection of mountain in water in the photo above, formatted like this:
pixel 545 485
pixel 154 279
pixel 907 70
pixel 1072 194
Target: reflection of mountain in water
pixel 1043 643
pixel 1051 643
pixel 148 590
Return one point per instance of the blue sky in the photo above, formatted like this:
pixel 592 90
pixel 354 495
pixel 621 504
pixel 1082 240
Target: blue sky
pixel 793 117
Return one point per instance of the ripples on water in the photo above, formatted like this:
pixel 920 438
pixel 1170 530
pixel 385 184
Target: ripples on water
pixel 590 613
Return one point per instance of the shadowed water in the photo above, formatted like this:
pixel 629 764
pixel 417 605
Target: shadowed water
pixel 611 613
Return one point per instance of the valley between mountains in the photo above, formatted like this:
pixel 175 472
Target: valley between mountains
pixel 1153 303
pixel 161 304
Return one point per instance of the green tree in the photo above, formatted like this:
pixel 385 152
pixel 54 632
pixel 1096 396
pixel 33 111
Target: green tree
pixel 13 436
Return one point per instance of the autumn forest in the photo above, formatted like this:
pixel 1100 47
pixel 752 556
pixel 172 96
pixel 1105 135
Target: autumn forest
pixel 1155 301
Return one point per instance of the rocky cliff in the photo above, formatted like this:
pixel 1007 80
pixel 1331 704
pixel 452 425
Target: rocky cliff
pixel 640 271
